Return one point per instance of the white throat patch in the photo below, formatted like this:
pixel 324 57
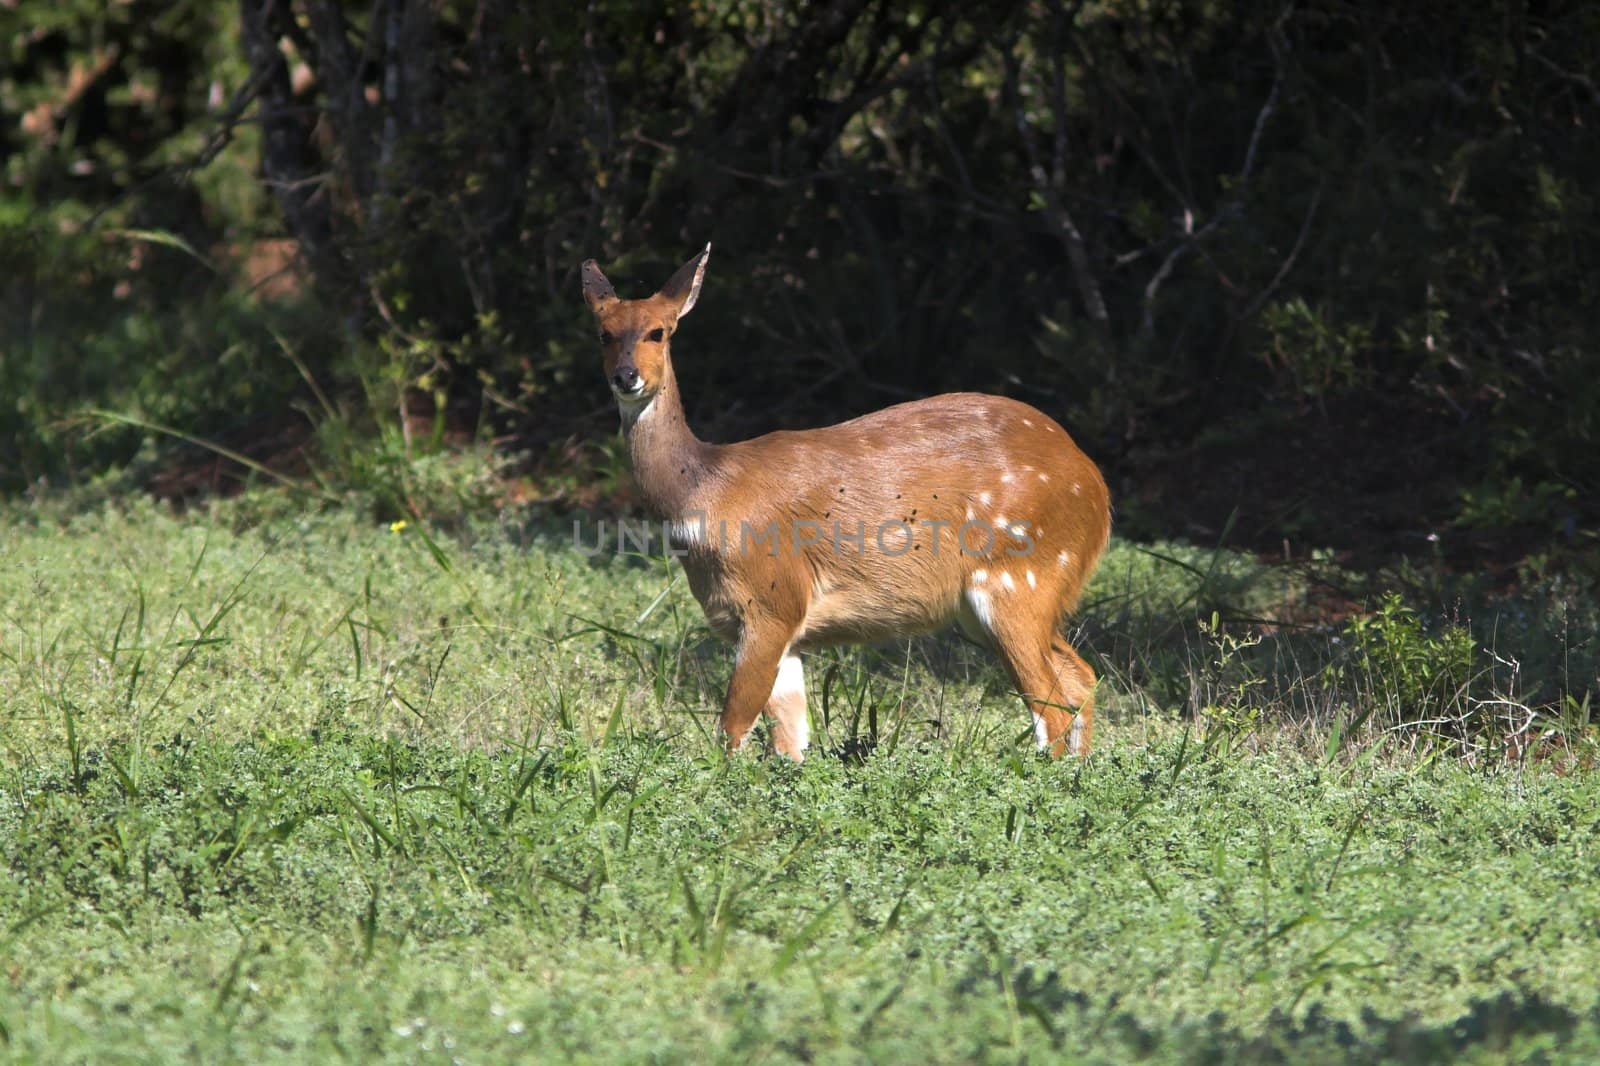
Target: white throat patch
pixel 632 410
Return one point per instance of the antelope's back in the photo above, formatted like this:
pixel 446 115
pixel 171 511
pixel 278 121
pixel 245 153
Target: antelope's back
pixel 905 504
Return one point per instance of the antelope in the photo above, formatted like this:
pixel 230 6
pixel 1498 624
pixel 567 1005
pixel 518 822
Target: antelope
pixel 961 507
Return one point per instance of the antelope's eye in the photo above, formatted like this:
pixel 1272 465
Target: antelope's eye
pixel 606 337
pixel 655 335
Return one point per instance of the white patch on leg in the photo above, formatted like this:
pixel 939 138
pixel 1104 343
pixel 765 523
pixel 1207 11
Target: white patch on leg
pixel 1075 738
pixel 1041 731
pixel 789 692
pixel 791 678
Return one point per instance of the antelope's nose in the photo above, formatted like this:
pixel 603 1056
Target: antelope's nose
pixel 626 379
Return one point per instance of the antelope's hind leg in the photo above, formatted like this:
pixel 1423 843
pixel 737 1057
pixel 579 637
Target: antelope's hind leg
pixel 1056 685
pixel 1076 680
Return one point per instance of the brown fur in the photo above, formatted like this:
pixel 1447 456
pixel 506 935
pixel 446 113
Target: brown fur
pixel 936 465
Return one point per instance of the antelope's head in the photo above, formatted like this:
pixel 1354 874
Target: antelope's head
pixel 635 335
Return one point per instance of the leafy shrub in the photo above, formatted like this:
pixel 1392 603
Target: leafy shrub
pixel 1151 220
pixel 1419 679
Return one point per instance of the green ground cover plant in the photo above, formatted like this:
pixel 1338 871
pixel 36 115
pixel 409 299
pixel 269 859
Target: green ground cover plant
pixel 355 756
pixel 290 784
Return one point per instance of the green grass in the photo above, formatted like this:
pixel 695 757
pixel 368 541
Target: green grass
pixel 280 785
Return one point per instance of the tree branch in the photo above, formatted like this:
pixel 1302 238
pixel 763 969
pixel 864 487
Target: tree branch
pixel 1191 238
pixel 1294 253
pixel 1056 212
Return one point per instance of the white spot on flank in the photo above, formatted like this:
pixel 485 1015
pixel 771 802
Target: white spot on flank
pixel 985 499
pixel 1027 421
pixel 1061 559
pixel 1005 479
pixel 1044 477
pixel 1005 579
pixel 1077 489
pixel 1026 469
pixel 978 601
pixel 970 515
pixel 1033 582
pixel 1041 732
pixel 980 576
pixel 1001 524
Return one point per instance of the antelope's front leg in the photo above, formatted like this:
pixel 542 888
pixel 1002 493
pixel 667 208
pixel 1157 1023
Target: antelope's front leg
pixel 755 674
pixel 791 732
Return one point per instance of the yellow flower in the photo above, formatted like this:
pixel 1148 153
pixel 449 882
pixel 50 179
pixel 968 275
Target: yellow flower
pixel 395 527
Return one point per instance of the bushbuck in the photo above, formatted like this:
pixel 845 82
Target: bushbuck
pixel 962 507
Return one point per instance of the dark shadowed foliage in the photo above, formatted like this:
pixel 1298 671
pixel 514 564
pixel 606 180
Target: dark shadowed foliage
pixel 1317 247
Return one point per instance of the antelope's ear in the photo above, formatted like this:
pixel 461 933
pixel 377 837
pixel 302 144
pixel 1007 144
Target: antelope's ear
pixel 597 291
pixel 683 288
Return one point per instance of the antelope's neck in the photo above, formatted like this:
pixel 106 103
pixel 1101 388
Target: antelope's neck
pixel 669 462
